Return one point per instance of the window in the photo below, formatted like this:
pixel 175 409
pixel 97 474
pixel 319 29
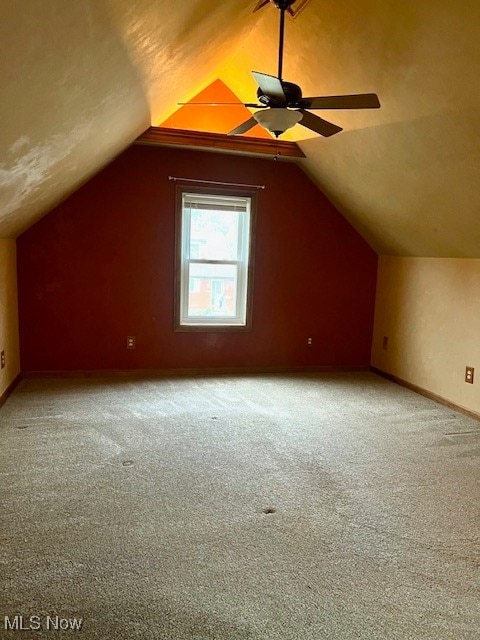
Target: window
pixel 214 258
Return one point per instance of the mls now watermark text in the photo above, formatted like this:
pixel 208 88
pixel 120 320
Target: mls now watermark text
pixel 48 623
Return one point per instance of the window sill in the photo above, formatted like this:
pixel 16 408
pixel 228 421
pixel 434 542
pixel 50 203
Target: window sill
pixel 211 328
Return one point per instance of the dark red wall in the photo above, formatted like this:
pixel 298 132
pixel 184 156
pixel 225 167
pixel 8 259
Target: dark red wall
pixel 100 267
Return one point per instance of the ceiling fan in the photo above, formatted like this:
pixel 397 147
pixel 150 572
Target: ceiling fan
pixel 282 104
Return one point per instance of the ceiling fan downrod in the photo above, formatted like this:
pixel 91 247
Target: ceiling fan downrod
pixel 283 5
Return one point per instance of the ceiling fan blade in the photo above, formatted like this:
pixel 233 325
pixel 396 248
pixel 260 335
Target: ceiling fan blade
pixel 358 101
pixel 270 86
pixel 244 127
pixel 252 105
pixel 319 125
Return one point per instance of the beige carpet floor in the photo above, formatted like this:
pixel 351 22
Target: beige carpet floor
pixel 322 507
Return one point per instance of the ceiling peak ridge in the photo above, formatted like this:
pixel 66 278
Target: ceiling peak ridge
pixel 293 9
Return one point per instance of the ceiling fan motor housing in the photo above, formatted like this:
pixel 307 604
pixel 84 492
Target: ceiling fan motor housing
pixel 293 95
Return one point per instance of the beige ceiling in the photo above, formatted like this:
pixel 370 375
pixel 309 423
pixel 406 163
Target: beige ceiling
pixel 79 80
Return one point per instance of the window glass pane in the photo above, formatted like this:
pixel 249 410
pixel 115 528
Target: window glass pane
pixel 214 293
pixel 194 285
pixel 214 234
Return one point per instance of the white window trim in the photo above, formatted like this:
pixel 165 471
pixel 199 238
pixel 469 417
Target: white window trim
pixel 242 320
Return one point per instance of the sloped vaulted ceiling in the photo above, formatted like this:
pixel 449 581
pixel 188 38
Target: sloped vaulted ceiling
pixel 80 80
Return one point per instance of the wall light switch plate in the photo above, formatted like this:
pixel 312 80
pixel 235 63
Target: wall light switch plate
pixel 469 371
pixel 131 342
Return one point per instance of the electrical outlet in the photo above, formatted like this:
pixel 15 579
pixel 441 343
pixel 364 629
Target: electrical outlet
pixel 2 360
pixel 309 341
pixel 385 343
pixel 469 374
pixel 131 342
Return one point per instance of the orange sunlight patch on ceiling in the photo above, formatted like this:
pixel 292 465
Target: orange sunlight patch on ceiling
pixel 218 119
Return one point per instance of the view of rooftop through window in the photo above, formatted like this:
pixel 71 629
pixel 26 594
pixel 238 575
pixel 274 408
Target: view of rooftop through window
pixel 215 246
pixel 212 287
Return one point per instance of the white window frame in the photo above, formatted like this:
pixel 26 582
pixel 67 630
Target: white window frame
pixel 217 197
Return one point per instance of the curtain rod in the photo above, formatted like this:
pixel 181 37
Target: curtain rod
pixel 228 184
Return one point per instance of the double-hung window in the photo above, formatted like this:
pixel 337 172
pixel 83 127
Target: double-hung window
pixel 214 259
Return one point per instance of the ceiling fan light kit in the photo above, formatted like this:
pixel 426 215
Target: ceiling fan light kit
pixel 278 120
